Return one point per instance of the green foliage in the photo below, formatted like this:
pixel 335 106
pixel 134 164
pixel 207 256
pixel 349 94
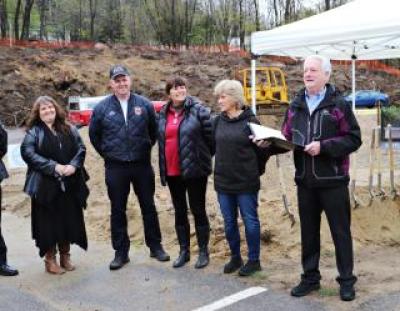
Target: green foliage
pixel 391 115
pixel 169 22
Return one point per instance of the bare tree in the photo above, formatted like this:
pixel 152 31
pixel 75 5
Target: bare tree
pixel 276 12
pixel 3 18
pixel 43 6
pixel 287 14
pixel 257 14
pixel 242 30
pixel 224 18
pixel 27 19
pixel 16 19
pixel 92 13
pixel 190 10
pixel 327 5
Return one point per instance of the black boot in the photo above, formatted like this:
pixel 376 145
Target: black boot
pixel 233 265
pixel 203 236
pixel 250 267
pixel 183 234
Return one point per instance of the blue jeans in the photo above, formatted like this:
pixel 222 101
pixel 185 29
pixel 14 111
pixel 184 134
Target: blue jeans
pixel 247 204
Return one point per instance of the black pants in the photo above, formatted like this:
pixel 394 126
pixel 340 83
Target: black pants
pixel 3 247
pixel 119 177
pixel 335 202
pixel 196 191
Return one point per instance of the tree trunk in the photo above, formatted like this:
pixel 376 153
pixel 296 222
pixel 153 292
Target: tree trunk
pixel 276 12
pixel 27 19
pixel 187 24
pixel 257 13
pixel 327 5
pixel 3 18
pixel 287 11
pixel 173 24
pixel 80 20
pixel 242 31
pixel 16 19
pixel 190 10
pixel 43 8
pixel 93 12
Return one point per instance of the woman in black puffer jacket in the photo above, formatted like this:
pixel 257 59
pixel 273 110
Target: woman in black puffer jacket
pixel 185 142
pixel 238 166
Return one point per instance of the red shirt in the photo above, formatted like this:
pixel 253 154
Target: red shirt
pixel 174 119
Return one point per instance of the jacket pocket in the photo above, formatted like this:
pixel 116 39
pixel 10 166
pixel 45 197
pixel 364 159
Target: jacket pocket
pixel 326 168
pixel 325 125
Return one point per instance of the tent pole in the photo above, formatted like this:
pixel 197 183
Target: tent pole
pixel 353 156
pixel 253 84
pixel 353 82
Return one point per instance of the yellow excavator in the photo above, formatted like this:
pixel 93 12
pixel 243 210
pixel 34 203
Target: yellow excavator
pixel 271 90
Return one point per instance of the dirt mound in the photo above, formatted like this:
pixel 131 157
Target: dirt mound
pixel 27 73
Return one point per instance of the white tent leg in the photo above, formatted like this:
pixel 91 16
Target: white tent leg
pixel 353 156
pixel 253 85
pixel 353 84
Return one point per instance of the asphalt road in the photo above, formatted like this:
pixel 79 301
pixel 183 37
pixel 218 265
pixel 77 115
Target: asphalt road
pixel 143 284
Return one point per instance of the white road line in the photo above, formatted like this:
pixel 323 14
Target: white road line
pixel 229 300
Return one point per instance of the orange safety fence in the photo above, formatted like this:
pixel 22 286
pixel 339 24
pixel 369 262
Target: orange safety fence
pixel 215 48
pixel 373 65
pixel 47 44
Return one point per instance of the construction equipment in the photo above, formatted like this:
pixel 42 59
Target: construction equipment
pixel 271 90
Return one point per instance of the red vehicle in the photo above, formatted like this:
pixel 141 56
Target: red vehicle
pixel 80 108
pixel 158 104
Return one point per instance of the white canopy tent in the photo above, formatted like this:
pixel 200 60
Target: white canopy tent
pixel 359 30
pixel 362 29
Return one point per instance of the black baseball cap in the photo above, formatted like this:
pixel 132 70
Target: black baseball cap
pixel 118 70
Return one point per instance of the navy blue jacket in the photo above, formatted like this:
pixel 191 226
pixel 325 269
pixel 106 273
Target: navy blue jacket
pixel 117 140
pixel 195 140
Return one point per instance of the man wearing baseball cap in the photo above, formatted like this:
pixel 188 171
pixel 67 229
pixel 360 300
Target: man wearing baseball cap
pixel 123 130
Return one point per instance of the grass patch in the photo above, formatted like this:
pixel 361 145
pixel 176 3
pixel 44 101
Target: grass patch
pixel 328 292
pixel 260 276
pixel 137 244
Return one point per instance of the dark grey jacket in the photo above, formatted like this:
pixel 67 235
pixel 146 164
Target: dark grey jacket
pixel 195 140
pixel 3 151
pixel 38 165
pixel 117 140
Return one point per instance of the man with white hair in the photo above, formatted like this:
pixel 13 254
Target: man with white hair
pixel 320 120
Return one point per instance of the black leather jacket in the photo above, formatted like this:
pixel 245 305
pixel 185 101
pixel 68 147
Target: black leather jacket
pixel 3 151
pixel 38 165
pixel 334 125
pixel 195 140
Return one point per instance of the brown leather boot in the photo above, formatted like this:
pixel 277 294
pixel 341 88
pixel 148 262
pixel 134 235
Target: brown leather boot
pixel 51 262
pixel 65 257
